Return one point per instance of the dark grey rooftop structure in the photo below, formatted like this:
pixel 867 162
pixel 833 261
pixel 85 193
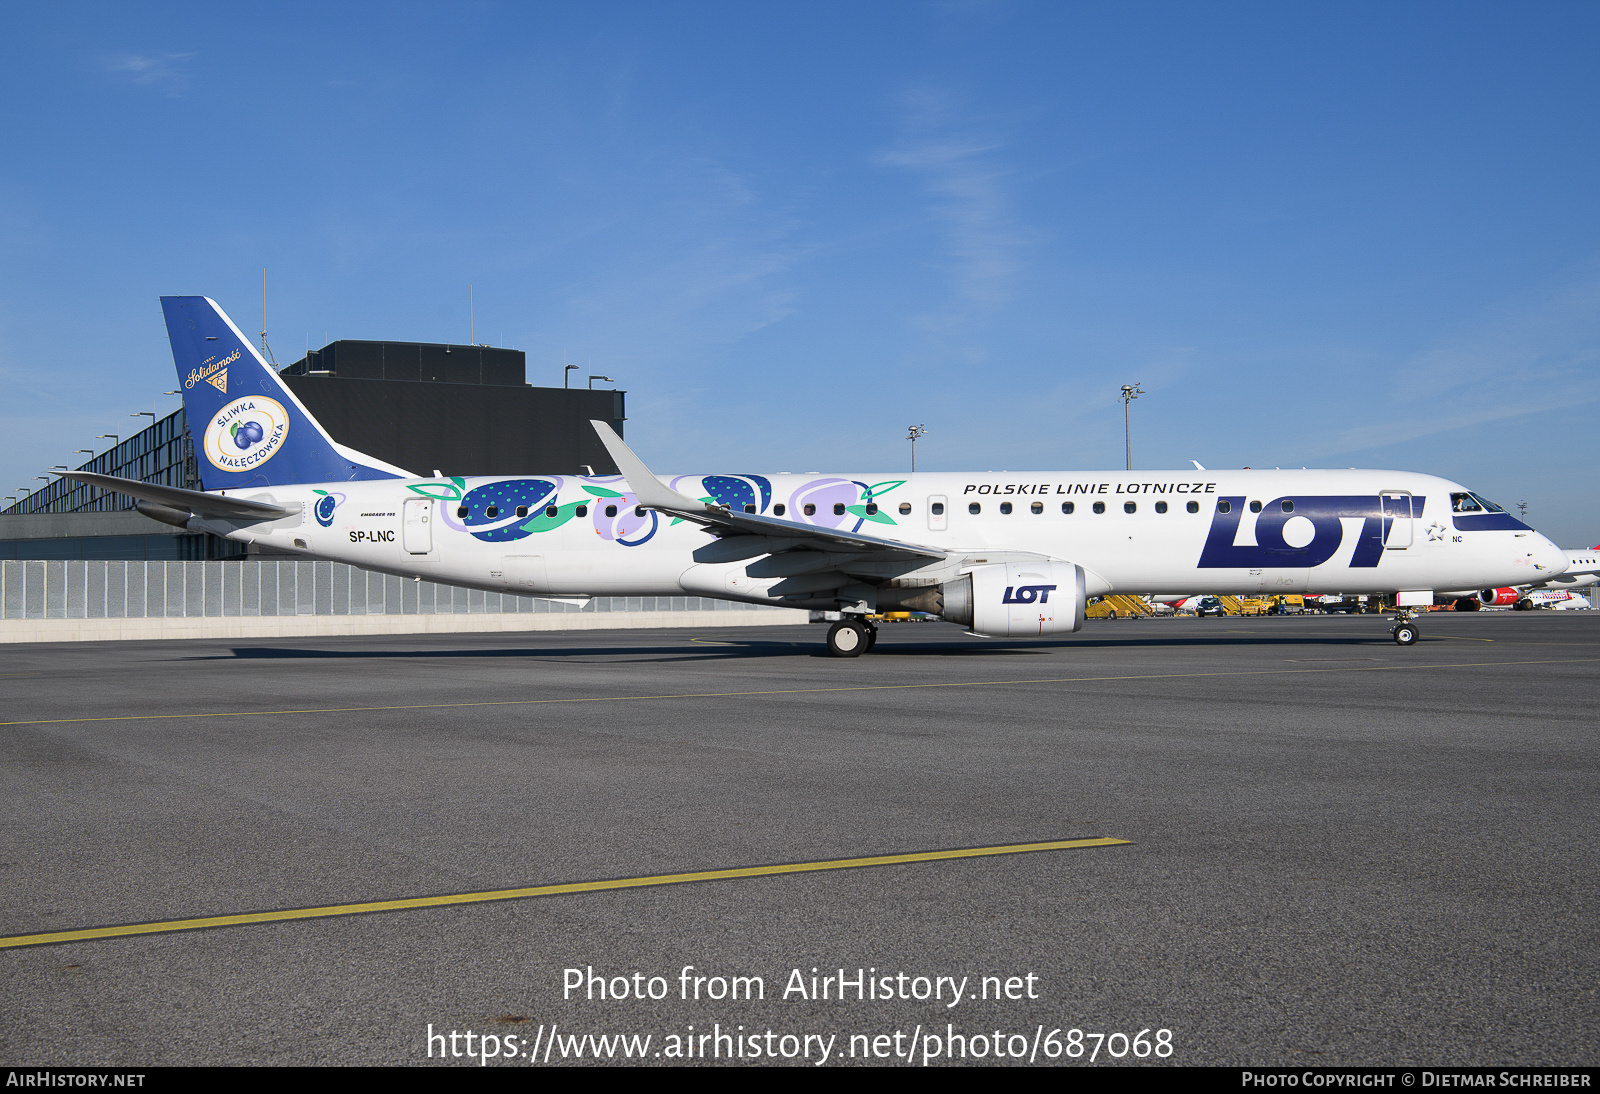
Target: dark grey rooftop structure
pixel 462 410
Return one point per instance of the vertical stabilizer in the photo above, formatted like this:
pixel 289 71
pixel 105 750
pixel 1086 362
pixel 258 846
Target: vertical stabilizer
pixel 248 428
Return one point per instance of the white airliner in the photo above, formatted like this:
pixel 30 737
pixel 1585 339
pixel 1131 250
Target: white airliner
pixel 999 554
pixel 1583 570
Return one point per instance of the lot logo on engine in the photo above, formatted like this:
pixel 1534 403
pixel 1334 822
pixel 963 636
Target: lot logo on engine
pixel 1028 594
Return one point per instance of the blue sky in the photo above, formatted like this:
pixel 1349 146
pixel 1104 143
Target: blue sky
pixel 1326 235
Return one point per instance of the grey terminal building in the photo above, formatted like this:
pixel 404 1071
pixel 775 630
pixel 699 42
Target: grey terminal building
pixel 455 409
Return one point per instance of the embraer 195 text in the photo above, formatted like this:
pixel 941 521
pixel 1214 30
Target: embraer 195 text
pixel 1000 554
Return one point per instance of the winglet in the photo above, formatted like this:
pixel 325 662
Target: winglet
pixel 645 486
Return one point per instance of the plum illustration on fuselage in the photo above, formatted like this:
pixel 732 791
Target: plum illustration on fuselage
pixel 825 496
pixel 618 517
pixel 490 511
pixel 739 492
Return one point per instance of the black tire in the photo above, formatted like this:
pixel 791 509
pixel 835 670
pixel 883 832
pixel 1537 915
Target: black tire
pixel 1113 614
pixel 872 637
pixel 1406 635
pixel 847 638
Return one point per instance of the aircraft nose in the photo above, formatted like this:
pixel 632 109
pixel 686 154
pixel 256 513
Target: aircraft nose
pixel 1549 559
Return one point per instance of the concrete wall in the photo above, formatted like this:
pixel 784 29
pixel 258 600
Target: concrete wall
pixel 108 601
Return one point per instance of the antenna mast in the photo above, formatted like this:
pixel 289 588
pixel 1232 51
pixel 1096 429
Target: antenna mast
pixel 266 350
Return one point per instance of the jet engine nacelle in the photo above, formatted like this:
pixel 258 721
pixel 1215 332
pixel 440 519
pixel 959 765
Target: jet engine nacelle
pixel 1498 598
pixel 1018 599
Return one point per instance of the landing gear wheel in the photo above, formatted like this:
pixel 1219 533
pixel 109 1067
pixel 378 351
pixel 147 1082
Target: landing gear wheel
pixel 848 639
pixel 1405 634
pixel 872 637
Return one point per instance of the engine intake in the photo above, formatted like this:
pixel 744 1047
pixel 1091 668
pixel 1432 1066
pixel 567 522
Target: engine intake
pixel 1018 599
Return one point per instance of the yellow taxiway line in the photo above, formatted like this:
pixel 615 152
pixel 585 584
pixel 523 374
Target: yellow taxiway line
pixel 325 911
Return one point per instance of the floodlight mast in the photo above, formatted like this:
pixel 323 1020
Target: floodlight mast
pixel 912 434
pixel 1130 392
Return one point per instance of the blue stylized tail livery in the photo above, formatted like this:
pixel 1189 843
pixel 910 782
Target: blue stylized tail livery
pixel 248 428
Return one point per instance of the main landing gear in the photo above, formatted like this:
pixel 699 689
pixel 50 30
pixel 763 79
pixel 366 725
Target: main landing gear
pixel 852 637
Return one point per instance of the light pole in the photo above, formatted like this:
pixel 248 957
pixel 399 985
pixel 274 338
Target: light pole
pixel 564 376
pixel 592 379
pixel 911 435
pixel 1130 392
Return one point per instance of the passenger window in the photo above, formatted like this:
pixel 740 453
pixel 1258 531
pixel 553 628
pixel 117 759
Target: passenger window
pixel 1255 507
pixel 638 510
pixel 1224 506
pixel 611 511
pixel 1161 507
pixel 1288 506
pixel 1067 507
pixel 461 512
pixel 905 508
pixel 838 508
pixel 1099 507
pixel 779 509
pixel 1194 507
pixel 582 510
pixel 1005 507
pixel 1036 508
pixel 550 510
pixel 1129 506
pixel 974 508
pixel 811 510
pixel 872 509
pixel 492 512
pixel 749 508
pixel 938 508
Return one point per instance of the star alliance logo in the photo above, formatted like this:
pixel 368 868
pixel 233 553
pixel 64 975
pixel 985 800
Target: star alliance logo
pixel 1435 532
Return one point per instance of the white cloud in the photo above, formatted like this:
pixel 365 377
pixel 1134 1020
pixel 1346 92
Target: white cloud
pixel 163 72
pixel 965 179
pixel 1520 359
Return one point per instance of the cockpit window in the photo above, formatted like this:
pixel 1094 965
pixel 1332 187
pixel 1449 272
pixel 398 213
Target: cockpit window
pixel 1487 504
pixel 1464 503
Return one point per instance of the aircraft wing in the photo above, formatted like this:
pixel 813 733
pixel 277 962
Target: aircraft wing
pixel 174 497
pixel 722 522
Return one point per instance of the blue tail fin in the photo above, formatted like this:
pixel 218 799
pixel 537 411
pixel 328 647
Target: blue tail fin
pixel 248 428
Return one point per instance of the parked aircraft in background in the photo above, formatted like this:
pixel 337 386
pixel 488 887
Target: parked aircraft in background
pixel 1583 570
pixel 1004 554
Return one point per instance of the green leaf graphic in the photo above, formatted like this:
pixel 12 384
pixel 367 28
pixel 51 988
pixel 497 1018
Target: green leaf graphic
pixel 861 511
pixel 437 490
pixel 601 492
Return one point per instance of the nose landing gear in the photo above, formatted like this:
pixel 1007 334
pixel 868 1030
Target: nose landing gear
pixel 1405 632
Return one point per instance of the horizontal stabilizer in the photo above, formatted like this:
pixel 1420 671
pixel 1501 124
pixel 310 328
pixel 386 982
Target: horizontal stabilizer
pixel 175 497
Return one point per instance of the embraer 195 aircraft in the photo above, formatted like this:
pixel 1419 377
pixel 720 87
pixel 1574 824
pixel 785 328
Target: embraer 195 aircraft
pixel 1000 554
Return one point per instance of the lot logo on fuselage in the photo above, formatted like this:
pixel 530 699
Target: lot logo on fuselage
pixel 1028 594
pixel 246 433
pixel 1302 532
